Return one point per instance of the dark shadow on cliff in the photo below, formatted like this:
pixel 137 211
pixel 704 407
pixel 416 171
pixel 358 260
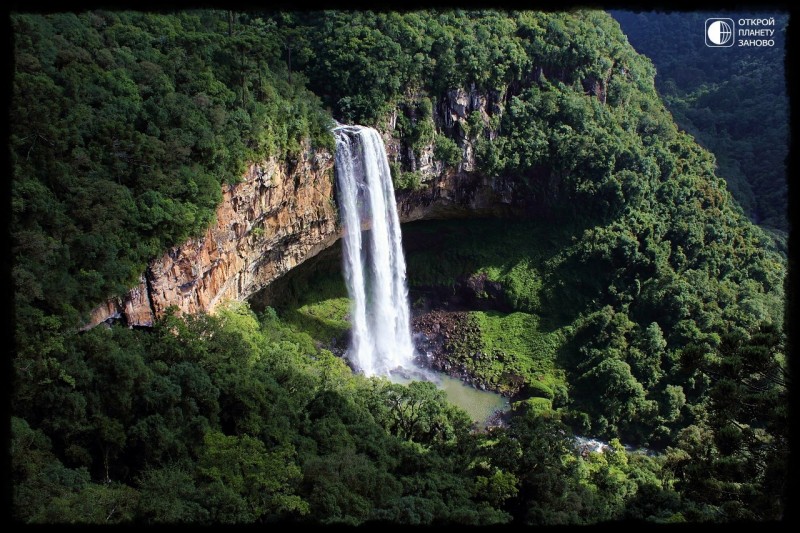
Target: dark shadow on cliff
pixel 504 265
pixel 316 279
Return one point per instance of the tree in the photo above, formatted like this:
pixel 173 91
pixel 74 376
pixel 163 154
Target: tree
pixel 262 481
pixel 420 412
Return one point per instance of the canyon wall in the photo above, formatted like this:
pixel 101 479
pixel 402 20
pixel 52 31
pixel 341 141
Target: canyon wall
pixel 277 217
pixel 282 214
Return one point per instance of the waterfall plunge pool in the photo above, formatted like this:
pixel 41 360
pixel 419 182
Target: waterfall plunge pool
pixel 374 270
pixel 480 405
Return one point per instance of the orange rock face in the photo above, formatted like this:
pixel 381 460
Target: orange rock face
pixel 266 225
pixel 278 217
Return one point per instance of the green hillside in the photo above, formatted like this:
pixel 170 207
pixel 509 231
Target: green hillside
pixel 645 307
pixel 733 100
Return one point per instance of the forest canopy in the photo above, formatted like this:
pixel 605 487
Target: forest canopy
pixel 735 104
pixel 661 304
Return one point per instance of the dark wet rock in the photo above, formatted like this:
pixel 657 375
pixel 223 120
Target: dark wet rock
pixel 447 340
pixel 498 419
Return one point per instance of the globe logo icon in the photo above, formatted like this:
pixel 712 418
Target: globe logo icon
pixel 719 32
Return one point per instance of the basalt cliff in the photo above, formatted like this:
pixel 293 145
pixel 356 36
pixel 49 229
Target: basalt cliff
pixel 283 213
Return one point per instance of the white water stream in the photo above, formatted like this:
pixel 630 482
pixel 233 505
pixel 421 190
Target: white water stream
pixel 374 265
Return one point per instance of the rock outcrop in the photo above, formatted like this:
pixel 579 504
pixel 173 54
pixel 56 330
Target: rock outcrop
pixel 451 117
pixel 276 218
pixel 461 191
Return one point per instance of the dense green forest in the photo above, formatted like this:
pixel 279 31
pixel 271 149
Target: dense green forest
pixel 645 307
pixel 733 100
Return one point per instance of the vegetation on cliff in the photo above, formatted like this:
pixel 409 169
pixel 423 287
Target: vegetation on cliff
pixel 125 126
pixel 644 306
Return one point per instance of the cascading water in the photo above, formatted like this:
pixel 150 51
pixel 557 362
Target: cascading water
pixel 375 270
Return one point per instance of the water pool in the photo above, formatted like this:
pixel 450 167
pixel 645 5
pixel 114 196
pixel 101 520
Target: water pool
pixel 478 404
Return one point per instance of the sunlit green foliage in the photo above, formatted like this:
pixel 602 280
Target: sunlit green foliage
pixel 236 419
pixel 124 126
pixel 635 301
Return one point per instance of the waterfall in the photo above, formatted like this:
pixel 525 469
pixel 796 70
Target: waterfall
pixel 374 265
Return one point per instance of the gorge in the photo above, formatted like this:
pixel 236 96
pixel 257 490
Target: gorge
pixel 566 245
pixel 281 215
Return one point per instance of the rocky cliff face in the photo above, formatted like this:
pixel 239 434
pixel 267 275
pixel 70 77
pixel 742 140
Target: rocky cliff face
pixel 278 217
pixel 274 219
pixel 463 190
pixel 451 117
